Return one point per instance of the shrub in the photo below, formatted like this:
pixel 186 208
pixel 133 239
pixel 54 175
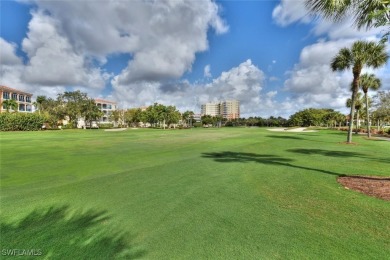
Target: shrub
pixel 21 121
pixel 106 125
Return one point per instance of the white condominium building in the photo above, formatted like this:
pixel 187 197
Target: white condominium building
pixel 212 109
pixel 229 109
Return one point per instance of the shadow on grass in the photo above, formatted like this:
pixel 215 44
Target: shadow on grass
pixel 343 154
pixel 267 159
pixel 289 137
pixel 326 152
pixel 54 234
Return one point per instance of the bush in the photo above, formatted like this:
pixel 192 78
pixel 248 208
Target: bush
pixel 106 125
pixel 21 121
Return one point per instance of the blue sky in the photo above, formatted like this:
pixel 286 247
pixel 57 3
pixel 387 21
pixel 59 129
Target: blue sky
pixel 270 55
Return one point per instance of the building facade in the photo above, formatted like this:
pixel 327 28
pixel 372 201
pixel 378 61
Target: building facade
pixel 23 99
pixel 229 109
pixel 212 109
pixel 106 107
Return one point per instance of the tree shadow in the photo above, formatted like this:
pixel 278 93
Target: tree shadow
pixel 55 234
pixel 344 154
pixel 326 152
pixel 267 159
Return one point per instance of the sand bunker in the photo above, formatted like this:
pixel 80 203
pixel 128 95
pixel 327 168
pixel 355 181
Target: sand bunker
pixel 299 129
pixel 115 129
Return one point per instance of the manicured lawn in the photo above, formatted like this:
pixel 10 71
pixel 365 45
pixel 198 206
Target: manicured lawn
pixel 238 193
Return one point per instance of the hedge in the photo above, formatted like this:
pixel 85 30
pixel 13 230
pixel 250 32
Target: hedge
pixel 21 121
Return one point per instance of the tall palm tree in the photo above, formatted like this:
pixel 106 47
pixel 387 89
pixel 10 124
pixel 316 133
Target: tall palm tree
pixel 362 53
pixel 10 104
pixel 366 13
pixel 358 105
pixel 369 81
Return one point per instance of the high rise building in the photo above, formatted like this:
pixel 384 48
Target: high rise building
pixel 229 109
pixel 212 109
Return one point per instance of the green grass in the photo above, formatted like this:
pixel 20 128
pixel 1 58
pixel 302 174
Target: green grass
pixel 204 193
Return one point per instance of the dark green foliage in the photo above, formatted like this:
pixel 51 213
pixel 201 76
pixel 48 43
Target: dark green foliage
pixel 21 121
pixel 158 115
pixel 316 117
pixel 106 125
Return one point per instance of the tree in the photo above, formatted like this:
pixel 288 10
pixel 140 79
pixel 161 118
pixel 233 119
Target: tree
pixel 10 104
pixel 207 120
pixel 188 117
pixel 382 106
pixel 73 102
pixel 54 111
pixel 133 116
pixel 39 103
pixel 151 114
pixel 90 111
pixel 172 115
pixel 369 81
pixel 358 105
pixel 366 13
pixel 115 116
pixel 370 54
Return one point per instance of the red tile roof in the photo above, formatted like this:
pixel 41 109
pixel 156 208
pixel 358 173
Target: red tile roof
pixel 99 100
pixel 5 88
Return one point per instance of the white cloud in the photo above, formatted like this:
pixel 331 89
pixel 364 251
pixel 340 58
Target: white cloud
pixel 53 60
pixel 288 12
pixel 8 53
pixel 162 36
pixel 243 82
pixel 206 71
pixel 66 38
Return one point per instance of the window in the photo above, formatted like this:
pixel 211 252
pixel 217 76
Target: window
pixel 5 95
pixel 21 98
pixel 14 96
pixel 22 107
pixel 28 99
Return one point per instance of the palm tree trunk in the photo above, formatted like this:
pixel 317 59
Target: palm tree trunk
pixel 357 121
pixel 353 101
pixel 368 117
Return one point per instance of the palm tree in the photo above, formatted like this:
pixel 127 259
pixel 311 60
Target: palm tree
pixel 358 105
pixel 369 81
pixel 10 104
pixel 366 13
pixel 362 53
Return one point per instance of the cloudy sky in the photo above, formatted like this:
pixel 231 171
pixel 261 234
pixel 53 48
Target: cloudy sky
pixel 270 55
